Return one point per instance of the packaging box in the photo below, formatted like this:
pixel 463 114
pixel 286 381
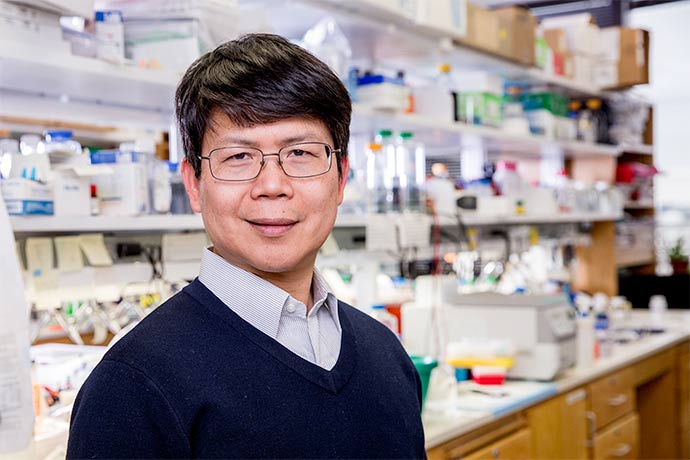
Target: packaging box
pixel 584 69
pixel 72 193
pixel 124 193
pixel 27 197
pixel 553 102
pixel 482 28
pixel 480 109
pixel 516 31
pixel 447 15
pixel 478 81
pixel 626 60
pixel 434 102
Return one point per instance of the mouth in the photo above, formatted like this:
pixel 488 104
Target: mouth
pixel 272 227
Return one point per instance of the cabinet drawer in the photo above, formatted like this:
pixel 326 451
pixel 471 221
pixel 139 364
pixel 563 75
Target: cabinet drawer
pixel 612 397
pixel 515 446
pixel 621 440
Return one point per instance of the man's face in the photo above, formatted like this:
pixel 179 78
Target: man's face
pixel 273 223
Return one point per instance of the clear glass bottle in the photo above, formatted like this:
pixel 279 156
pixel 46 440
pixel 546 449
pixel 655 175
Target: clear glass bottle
pixel 412 172
pixel 384 137
pixel 377 198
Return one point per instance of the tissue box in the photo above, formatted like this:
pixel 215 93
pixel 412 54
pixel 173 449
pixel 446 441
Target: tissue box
pixel 25 196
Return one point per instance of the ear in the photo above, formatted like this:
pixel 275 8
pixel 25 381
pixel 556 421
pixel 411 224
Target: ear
pixel 191 184
pixel 344 171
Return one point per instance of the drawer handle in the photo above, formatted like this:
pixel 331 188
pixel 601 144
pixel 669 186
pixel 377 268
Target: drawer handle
pixel 621 451
pixel 592 420
pixel 618 400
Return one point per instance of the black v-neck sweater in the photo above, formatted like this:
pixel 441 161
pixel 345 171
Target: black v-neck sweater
pixel 194 380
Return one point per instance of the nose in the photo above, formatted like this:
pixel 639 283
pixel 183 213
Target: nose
pixel 272 181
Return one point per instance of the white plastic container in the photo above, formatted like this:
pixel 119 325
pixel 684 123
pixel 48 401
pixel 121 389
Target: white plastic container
pixel 585 341
pixel 389 320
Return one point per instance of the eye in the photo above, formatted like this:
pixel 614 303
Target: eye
pixel 237 156
pixel 303 153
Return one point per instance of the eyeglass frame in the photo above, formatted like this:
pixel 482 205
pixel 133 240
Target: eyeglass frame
pixel 330 151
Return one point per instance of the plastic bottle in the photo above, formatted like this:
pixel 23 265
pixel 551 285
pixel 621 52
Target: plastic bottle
pixel 389 320
pixel 390 172
pixel 585 339
pixel 179 203
pixel 95 201
pixel 565 192
pixel 160 187
pixel 599 119
pixel 507 178
pixel 586 126
pixel 377 198
pixel 8 148
pixel 60 145
pixel 412 157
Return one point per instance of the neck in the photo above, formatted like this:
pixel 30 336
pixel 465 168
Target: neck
pixel 296 282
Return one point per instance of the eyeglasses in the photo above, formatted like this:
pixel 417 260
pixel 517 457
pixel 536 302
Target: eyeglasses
pixel 235 164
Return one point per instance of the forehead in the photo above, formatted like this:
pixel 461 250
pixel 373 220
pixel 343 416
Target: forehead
pixel 222 131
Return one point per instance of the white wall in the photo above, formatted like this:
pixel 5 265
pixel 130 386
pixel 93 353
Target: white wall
pixel 669 90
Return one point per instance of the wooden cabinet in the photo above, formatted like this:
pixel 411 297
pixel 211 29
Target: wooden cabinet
pixel 516 446
pixel 641 411
pixel 619 441
pixel 611 397
pixel 559 428
pixel 509 435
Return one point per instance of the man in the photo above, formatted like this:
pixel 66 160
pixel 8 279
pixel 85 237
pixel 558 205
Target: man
pixel 256 358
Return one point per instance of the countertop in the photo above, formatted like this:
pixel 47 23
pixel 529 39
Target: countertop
pixel 457 415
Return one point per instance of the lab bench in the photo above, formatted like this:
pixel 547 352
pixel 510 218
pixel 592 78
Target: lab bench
pixel 634 403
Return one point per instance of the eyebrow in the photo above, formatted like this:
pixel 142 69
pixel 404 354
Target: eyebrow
pixel 247 142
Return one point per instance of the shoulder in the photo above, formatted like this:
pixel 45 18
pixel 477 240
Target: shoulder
pixel 164 331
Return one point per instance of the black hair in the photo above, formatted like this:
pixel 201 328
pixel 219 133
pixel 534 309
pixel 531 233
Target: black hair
pixel 256 79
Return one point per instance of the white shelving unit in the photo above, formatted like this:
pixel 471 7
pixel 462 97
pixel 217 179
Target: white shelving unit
pixel 71 224
pixel 84 79
pixel 437 132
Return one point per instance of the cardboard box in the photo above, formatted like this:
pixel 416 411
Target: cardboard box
pixel 482 28
pixel 581 33
pixel 447 15
pixel 556 39
pixel 516 31
pixel 26 197
pixel 626 60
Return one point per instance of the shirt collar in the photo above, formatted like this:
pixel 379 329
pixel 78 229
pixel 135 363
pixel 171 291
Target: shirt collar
pixel 254 299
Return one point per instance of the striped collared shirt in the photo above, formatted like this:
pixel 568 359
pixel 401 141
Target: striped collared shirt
pixel 315 337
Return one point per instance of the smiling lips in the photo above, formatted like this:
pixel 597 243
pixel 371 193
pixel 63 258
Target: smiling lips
pixel 272 227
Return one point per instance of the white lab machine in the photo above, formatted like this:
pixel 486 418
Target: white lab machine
pixel 541 328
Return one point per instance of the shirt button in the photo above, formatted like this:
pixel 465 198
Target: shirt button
pixel 290 308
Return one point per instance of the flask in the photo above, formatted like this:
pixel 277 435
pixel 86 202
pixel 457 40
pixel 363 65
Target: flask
pixel 389 320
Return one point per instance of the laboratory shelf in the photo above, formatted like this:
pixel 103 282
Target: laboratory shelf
pixel 361 220
pixel 60 74
pixel 639 149
pixel 391 38
pixel 86 224
pixel 435 132
pixel 634 205
pixel 537 219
